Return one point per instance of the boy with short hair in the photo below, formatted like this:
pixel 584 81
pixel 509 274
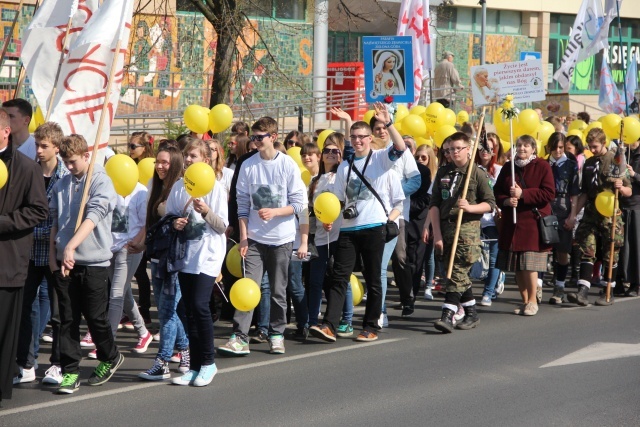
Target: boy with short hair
pixel 20 112
pixel 270 192
pixel 48 137
pixel 79 260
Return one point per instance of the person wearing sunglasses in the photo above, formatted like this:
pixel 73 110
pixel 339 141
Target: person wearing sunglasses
pixel 446 203
pixel 140 146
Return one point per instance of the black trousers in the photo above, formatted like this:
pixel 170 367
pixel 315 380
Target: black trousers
pixel 407 264
pixel 25 356
pixel 144 289
pixel 368 243
pixel 10 308
pixel 84 292
pixel 196 294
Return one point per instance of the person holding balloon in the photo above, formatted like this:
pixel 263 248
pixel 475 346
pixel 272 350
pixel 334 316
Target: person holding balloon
pixel 270 192
pixel 168 169
pixel 602 175
pixel 201 205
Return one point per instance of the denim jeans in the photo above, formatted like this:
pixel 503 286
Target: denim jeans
pixel 389 247
pixel 298 294
pixel 369 243
pixel 40 313
pixel 429 264
pixel 197 289
pixel 264 306
pixel 123 266
pixel 491 280
pixel 84 292
pixel 347 308
pixel 275 260
pixel 172 330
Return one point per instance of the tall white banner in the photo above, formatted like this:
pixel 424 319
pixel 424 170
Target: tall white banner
pixel 414 22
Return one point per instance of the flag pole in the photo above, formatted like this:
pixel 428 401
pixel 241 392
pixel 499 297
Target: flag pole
pixel 513 164
pixel 613 231
pixel 65 45
pixel 96 142
pixel 624 74
pixel 464 194
pixel 7 39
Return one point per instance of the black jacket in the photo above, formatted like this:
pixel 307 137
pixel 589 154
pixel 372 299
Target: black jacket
pixel 23 205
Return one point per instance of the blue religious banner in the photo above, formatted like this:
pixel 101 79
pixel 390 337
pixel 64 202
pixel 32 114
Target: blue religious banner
pixel 388 69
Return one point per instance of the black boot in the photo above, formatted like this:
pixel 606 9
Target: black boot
pixel 581 297
pixel 602 299
pixel 445 324
pixel 470 320
pixel 632 291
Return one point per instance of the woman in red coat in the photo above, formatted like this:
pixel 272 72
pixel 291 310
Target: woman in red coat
pixel 520 248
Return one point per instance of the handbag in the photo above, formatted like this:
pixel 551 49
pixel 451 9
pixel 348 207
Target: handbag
pixel 391 228
pixel 548 226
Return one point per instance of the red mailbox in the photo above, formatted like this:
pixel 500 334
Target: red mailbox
pixel 345 88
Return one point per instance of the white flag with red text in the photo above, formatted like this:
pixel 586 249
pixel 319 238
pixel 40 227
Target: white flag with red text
pixel 81 89
pixel 414 21
pixel 43 41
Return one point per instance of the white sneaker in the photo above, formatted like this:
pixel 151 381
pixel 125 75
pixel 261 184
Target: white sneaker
pixel 486 301
pixel 53 375
pixel 427 294
pixel 383 322
pixel 500 286
pixel 25 376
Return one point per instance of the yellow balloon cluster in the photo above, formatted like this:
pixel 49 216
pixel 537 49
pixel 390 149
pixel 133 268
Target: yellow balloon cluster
pixel 326 207
pixel 199 179
pixel 123 172
pixel 357 290
pixel 200 119
pixel 245 294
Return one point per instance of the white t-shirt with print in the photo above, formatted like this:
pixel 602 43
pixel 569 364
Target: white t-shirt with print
pixel 129 216
pixel 406 168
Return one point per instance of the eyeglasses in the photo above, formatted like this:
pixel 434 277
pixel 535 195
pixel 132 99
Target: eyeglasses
pixel 134 146
pixel 455 149
pixel 358 137
pixel 259 137
pixel 330 151
pixel 423 158
pixel 290 142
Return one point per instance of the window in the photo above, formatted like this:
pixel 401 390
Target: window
pixel 279 9
pixel 469 20
pixel 8 14
pixel 345 47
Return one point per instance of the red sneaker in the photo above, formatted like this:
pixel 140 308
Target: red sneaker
pixel 87 342
pixel 143 343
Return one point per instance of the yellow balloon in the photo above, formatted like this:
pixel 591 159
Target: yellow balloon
pixel 234 261
pixel 544 131
pixel 418 110
pixel 422 141
pixel 245 294
pixel 4 174
pixel 398 126
pixel 431 114
pixel 196 118
pixel 199 179
pixel 220 118
pixel 39 116
pixel 631 130
pixel 446 117
pixel 506 145
pixel 368 116
pixel 462 117
pixel 145 170
pixel 123 172
pixel 326 207
pixel 587 154
pixel 357 290
pixel 323 137
pixel 414 125
pixel 605 203
pixel 542 149
pixel 611 125
pixel 401 112
pixel 442 133
pixel 590 126
pixel 575 132
pixel 527 123
pixel 306 176
pixel 294 153
pixel 578 124
pixel 502 126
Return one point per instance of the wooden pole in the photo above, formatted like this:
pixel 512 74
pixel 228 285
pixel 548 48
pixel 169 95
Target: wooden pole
pixel 513 164
pixel 7 39
pixel 464 195
pixel 612 247
pixel 65 45
pixel 96 143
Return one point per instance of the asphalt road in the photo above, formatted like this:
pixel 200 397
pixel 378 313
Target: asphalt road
pixel 494 375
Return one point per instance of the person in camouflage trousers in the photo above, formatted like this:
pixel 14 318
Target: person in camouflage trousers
pixel 443 209
pixel 606 170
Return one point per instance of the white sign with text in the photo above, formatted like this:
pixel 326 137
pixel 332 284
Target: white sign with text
pixel 491 83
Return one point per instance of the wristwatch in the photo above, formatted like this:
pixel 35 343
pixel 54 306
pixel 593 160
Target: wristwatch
pixel 388 124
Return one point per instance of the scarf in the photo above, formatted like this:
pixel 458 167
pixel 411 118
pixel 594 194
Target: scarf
pixel 522 163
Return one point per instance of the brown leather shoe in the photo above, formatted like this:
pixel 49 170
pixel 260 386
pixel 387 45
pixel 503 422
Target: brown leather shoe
pixel 366 336
pixel 323 332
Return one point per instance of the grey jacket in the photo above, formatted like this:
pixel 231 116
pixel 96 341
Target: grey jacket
pixel 95 250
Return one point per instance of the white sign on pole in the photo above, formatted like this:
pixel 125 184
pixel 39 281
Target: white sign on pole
pixel 491 83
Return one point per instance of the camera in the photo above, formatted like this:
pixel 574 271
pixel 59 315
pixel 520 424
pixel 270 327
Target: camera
pixel 350 212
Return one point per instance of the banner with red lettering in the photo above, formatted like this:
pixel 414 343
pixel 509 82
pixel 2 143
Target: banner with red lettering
pixel 43 41
pixel 414 22
pixel 81 88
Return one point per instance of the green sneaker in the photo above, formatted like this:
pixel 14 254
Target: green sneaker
pixel 105 371
pixel 344 330
pixel 69 384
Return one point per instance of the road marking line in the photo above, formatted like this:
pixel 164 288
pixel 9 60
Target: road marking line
pixel 142 386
